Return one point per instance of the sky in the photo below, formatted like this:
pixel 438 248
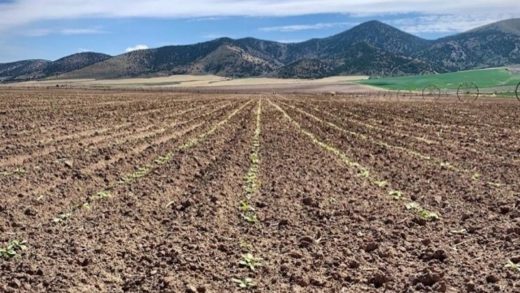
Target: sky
pixel 51 29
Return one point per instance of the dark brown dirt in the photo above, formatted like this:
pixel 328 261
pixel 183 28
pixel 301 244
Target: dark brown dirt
pixel 93 221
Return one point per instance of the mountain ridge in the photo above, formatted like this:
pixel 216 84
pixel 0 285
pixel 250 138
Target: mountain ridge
pixel 373 48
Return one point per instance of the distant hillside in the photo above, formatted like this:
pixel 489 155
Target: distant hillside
pixel 372 48
pixel 74 62
pixel 38 69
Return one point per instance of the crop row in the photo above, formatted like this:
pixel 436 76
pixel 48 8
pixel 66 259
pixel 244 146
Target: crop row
pixel 247 211
pixel 362 171
pixel 472 173
pixel 146 169
pixel 434 161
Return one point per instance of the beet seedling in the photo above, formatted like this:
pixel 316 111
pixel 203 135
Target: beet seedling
pixel 513 266
pixel 245 206
pixel 12 249
pixel 251 262
pixel 396 195
pixel 244 283
pixel 250 217
pixel 62 217
pixel 17 171
pixel 102 195
pixel 421 212
pixel 381 184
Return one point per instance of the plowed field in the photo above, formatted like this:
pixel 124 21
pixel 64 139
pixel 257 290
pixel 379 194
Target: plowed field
pixel 120 191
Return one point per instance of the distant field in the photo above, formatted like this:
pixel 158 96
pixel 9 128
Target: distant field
pixel 485 79
pixel 190 81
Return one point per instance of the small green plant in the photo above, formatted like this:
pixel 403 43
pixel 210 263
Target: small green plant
pixel 427 215
pixel 381 184
pixel 511 265
pixel 103 195
pixel 17 171
pixel 245 206
pixel 494 184
pixel 412 206
pixel 364 174
pixel 62 217
pixel 141 172
pixel 476 176
pixel 421 212
pixel 246 246
pixel 163 159
pixel 244 283
pixel 12 249
pixel 396 195
pixel 250 217
pixel 251 262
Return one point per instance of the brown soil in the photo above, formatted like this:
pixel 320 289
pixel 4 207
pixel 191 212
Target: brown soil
pixel 121 191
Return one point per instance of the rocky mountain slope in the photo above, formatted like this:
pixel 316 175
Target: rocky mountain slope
pixel 372 48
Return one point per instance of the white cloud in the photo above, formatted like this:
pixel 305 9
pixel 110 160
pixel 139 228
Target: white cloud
pixel 82 31
pixel 306 27
pixel 137 47
pixel 41 32
pixel 21 12
pixel 444 23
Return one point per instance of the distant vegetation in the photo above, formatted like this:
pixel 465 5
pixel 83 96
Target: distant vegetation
pixel 371 48
pixel 485 79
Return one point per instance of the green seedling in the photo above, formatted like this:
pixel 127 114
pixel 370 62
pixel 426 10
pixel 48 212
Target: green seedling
pixel 245 283
pixel 246 246
pixel 251 262
pixel 493 184
pixel 364 174
pixel 427 215
pixel 381 184
pixel 476 176
pixel 17 171
pixel 141 172
pixel 250 218
pixel 396 195
pixel 421 212
pixel 163 159
pixel 103 195
pixel 446 165
pixel 245 206
pixel 461 231
pixel 62 217
pixel 413 206
pixel 12 249
pixel 513 266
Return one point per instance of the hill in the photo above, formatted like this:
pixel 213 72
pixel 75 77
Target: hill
pixel 38 69
pixel 372 48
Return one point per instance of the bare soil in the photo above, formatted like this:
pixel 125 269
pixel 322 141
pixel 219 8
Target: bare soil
pixel 136 191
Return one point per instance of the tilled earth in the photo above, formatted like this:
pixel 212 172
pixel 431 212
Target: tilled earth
pixel 120 191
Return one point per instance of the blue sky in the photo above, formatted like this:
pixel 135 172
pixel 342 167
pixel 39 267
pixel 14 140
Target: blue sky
pixel 50 29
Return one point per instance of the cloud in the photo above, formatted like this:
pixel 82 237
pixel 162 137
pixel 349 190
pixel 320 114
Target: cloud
pixel 41 32
pixel 21 12
pixel 82 31
pixel 137 47
pixel 306 27
pixel 443 23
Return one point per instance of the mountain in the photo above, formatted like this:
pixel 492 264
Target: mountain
pixel 372 48
pixel 38 69
pixel 22 70
pixel 493 45
pixel 74 62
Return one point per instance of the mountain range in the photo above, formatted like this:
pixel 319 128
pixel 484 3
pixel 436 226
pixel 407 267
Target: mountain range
pixel 371 48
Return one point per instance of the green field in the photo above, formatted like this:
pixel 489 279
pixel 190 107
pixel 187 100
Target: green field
pixel 486 78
